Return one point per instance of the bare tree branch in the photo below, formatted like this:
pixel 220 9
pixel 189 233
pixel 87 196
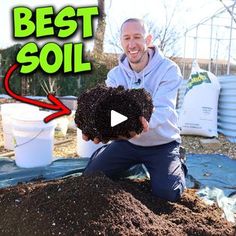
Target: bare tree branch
pixel 165 36
pixel 100 32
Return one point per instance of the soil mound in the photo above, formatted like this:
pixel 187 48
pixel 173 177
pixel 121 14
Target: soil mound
pixel 96 205
pixel 93 115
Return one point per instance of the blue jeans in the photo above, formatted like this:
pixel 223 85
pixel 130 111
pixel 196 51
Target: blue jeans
pixel 167 174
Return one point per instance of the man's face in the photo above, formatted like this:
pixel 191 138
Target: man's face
pixel 133 41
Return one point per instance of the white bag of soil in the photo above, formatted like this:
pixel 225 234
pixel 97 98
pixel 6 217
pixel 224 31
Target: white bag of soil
pixel 198 114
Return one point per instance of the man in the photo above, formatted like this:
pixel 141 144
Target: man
pixel 157 147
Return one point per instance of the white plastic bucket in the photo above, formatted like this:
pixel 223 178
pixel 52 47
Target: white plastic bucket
pixel 71 119
pixel 61 126
pixel 7 110
pixel 33 139
pixel 64 123
pixel 86 148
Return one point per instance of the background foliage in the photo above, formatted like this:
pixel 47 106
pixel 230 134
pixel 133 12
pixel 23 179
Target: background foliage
pixel 38 83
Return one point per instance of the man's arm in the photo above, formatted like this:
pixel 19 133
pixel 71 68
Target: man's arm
pixel 110 82
pixel 164 99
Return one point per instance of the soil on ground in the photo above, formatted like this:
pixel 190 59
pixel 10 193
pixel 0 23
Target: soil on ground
pixel 96 205
pixel 100 206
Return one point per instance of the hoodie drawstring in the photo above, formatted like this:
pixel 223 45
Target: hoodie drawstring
pixel 135 83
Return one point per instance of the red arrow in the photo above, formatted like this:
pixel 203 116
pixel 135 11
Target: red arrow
pixel 56 103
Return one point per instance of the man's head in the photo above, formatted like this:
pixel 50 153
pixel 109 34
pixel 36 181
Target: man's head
pixel 135 41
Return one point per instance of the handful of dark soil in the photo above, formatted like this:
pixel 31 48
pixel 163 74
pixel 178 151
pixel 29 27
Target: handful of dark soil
pixel 93 114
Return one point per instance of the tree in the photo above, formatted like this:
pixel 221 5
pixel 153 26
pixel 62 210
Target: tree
pixel 165 35
pixel 50 86
pixel 8 56
pixel 100 31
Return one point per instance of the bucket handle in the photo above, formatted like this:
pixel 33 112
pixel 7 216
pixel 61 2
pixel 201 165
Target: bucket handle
pixel 18 145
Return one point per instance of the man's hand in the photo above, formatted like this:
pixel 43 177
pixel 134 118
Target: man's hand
pixel 85 137
pixel 144 123
pixel 133 134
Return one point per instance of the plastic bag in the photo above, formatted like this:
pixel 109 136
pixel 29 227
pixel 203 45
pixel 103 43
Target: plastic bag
pixel 198 114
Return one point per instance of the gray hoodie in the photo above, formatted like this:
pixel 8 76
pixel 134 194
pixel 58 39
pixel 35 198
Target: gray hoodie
pixel 161 78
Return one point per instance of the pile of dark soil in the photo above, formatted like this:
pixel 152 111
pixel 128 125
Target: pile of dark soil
pixel 93 115
pixel 96 205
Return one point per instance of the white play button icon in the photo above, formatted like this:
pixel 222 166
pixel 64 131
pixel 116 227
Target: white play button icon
pixel 117 118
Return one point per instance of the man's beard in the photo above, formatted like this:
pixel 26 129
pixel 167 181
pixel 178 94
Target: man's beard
pixel 140 59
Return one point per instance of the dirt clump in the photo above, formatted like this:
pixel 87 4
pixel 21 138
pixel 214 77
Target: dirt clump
pixel 96 205
pixel 93 115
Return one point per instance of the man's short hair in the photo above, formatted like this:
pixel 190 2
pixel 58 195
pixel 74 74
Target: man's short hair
pixel 142 23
